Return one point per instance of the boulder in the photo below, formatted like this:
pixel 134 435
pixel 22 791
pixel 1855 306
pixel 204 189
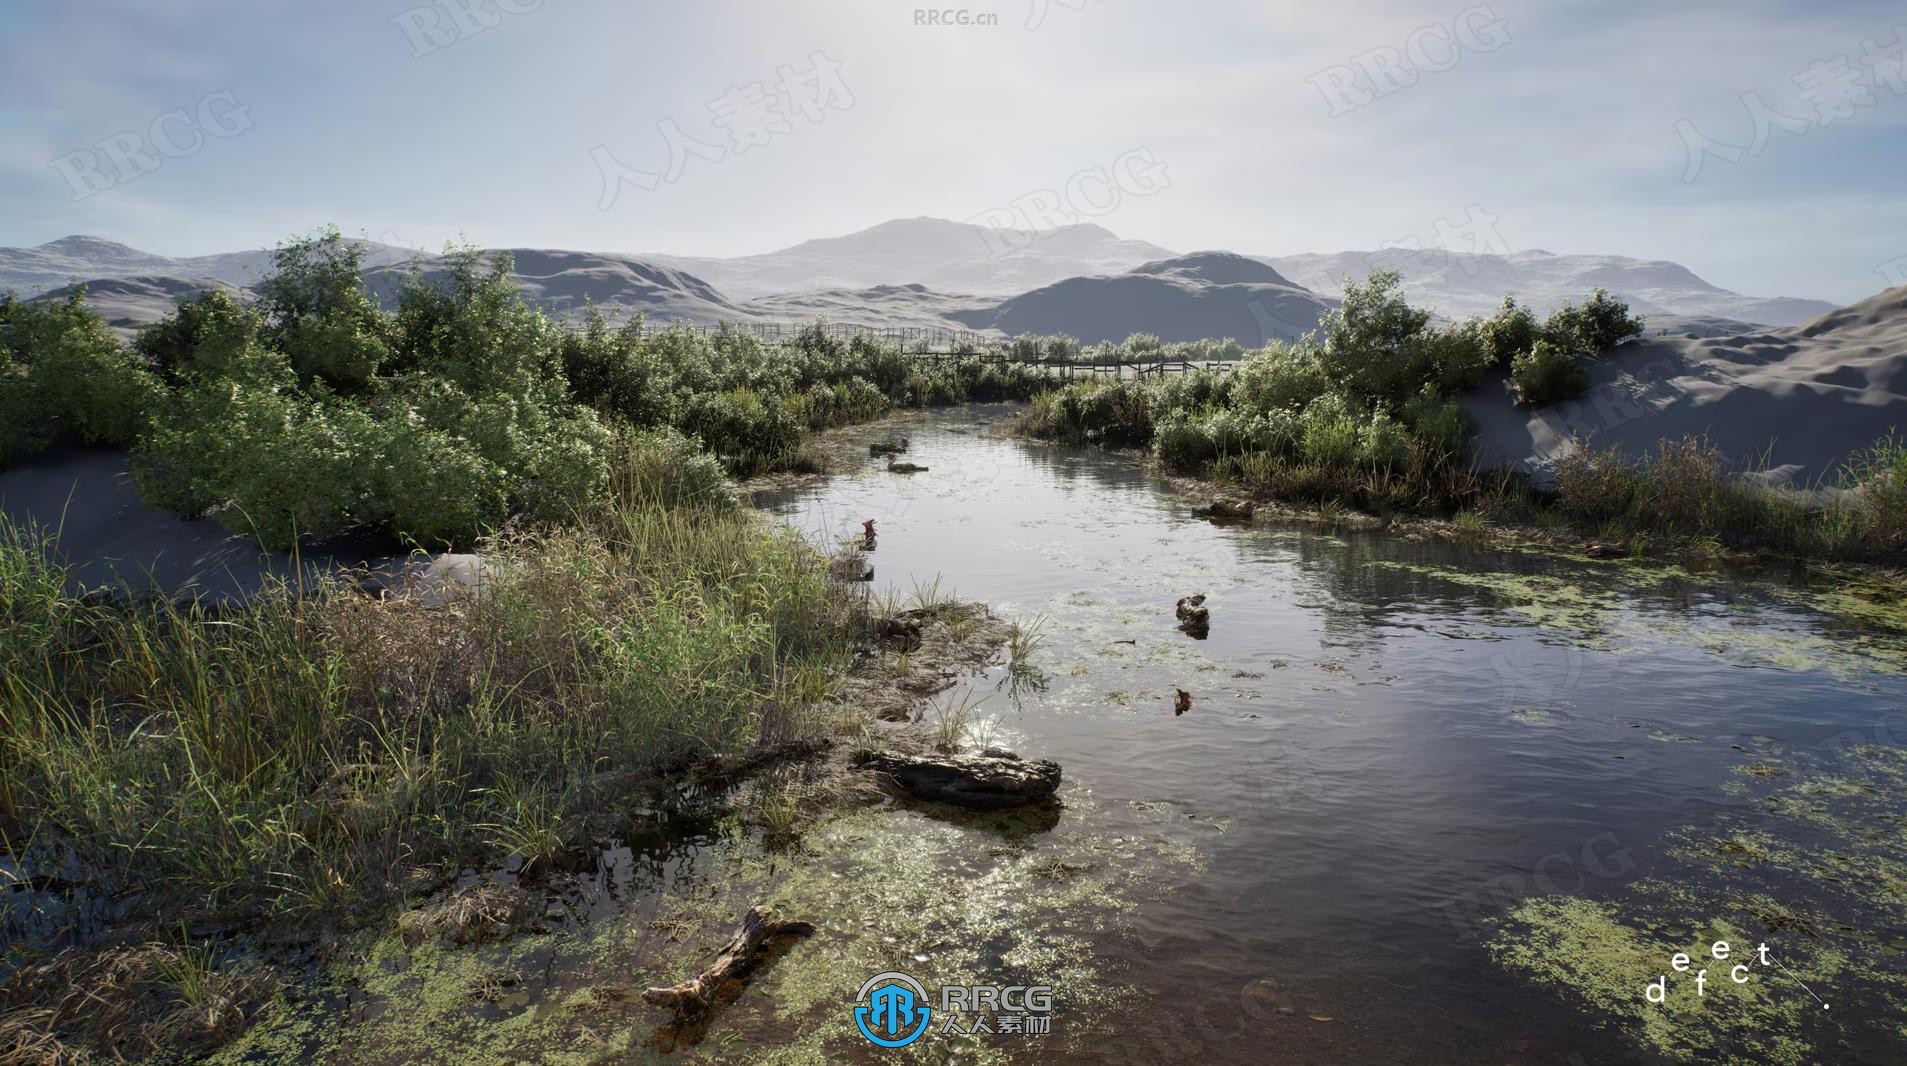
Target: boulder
pixel 992 780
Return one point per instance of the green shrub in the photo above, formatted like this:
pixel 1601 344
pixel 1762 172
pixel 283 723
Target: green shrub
pixel 1601 323
pixel 1512 331
pixel 435 488
pixel 338 347
pixel 1441 423
pixel 260 461
pixel 1192 391
pixel 1330 437
pixel 1383 443
pixel 1375 344
pixel 64 376
pixel 203 337
pixel 1548 373
pixel 1458 357
pixel 1183 444
pixel 1280 377
pixel 1118 415
pixel 664 468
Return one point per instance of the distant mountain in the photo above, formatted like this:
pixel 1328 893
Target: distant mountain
pixel 937 253
pixel 1192 297
pixel 565 283
pixel 934 272
pixel 1459 284
pixel 31 271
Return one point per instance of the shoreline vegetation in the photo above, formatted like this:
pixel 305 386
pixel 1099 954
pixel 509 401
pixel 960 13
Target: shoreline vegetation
pixel 205 800
pixel 188 786
pixel 184 784
pixel 1367 417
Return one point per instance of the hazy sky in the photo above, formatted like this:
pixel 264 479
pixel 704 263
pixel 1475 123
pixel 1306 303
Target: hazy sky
pixel 195 126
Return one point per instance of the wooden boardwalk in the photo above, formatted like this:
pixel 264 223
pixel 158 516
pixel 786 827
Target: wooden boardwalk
pixel 935 346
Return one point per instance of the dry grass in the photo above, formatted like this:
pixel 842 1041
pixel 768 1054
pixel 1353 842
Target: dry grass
pixel 474 915
pixel 130 1001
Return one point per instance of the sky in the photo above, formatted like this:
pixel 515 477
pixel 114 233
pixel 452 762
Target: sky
pixel 725 128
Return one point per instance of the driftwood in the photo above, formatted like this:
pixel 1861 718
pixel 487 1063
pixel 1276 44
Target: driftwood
pixel 737 958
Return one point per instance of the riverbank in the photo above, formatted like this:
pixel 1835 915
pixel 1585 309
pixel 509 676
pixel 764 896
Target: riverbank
pixel 201 800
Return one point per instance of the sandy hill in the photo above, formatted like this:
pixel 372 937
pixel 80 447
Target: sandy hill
pixel 69 260
pixel 1193 297
pixel 1457 284
pixel 937 253
pixel 1803 397
pixel 126 303
pixel 906 306
pixel 564 283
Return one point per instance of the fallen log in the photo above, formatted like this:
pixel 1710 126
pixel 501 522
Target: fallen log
pixel 736 959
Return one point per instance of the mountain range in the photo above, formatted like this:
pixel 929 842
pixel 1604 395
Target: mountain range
pixel 1082 280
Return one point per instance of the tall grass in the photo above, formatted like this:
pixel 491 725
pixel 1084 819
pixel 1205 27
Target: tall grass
pixel 1686 490
pixel 302 754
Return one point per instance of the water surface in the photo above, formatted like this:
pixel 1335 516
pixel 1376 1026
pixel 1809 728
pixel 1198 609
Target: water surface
pixel 1395 748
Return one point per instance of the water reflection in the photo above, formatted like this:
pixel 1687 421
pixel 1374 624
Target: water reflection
pixel 1401 736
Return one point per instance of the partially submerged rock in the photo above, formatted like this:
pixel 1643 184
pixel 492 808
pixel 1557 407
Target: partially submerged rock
pixel 1220 510
pixel 992 780
pixel 1194 617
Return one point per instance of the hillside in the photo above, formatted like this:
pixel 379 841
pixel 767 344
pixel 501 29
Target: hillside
pixel 939 254
pixel 1804 397
pixel 1193 297
pixel 563 283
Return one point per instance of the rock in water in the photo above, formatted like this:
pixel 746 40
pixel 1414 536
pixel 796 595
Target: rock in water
pixel 1226 510
pixel 992 780
pixel 1194 618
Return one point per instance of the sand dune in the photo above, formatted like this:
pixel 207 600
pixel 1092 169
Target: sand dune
pixel 565 283
pixel 69 260
pixel 1799 399
pixel 130 302
pixel 1458 284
